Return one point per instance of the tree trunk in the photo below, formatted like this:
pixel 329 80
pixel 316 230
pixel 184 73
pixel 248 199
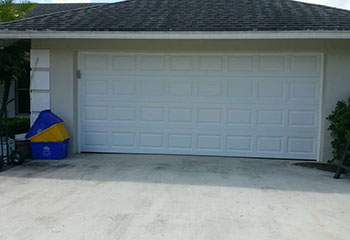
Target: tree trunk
pixel 5 96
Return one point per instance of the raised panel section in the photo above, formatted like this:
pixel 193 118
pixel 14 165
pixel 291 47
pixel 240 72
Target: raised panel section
pixel 180 141
pixel 124 113
pixel 180 88
pixel 96 87
pixel 151 140
pixel 239 116
pixel 95 113
pixel 177 115
pixel 210 63
pixel 301 145
pixel 123 139
pixel 207 89
pixel 153 63
pixel 302 118
pixel 152 114
pixel 209 142
pixel 124 63
pixel 240 89
pixel 241 63
pixel 305 64
pixel 125 87
pixel 303 90
pixel 269 144
pixel 239 143
pixel 209 115
pixel 96 62
pixel 96 138
pixel 181 63
pixel 270 117
pixel 272 63
pixel 153 87
pixel 271 90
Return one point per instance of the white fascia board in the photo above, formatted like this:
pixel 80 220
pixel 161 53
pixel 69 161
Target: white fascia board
pixel 175 35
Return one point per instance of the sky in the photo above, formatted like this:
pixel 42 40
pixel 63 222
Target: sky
pixel 345 4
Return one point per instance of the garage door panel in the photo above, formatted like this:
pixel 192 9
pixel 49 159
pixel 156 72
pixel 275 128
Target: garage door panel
pixel 181 63
pixel 299 145
pixel 306 64
pixel 180 88
pixel 151 140
pixel 183 141
pixel 240 116
pixel 123 139
pixel 240 89
pixel 124 113
pixel 124 63
pixel 241 63
pixel 210 88
pixel 95 113
pixel 239 143
pixel 180 115
pixel 95 62
pixel 251 105
pixel 302 118
pixel 272 63
pixel 96 87
pixel 210 63
pixel 125 86
pixel 271 117
pixel 302 90
pixel 153 63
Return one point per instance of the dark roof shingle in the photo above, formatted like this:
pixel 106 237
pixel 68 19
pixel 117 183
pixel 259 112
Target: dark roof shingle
pixel 47 8
pixel 190 15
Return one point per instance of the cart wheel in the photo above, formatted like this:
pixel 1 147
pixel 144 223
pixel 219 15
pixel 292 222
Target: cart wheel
pixel 16 158
pixel 1 163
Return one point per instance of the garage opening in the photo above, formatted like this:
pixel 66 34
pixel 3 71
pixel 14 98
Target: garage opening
pixel 248 105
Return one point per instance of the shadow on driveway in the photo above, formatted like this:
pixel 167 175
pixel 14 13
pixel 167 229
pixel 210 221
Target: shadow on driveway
pixel 183 170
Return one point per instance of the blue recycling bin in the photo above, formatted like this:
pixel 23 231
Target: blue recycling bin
pixel 45 120
pixel 50 150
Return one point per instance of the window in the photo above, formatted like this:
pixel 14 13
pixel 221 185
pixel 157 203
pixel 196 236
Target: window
pixel 22 96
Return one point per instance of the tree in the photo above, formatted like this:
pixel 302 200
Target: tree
pixel 340 129
pixel 10 11
pixel 13 57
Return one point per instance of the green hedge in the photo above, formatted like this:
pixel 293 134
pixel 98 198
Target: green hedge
pixel 340 129
pixel 16 126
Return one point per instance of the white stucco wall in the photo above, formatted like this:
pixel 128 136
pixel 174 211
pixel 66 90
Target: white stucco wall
pixel 63 58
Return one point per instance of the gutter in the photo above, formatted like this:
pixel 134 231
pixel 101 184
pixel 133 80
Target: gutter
pixel 174 35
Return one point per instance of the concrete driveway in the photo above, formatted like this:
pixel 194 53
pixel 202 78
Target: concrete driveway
pixel 105 196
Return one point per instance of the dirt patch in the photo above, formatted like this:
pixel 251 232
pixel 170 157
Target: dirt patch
pixel 320 166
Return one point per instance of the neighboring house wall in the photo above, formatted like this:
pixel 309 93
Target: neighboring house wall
pixel 63 66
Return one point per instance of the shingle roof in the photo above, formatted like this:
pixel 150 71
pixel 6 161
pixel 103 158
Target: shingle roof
pixel 46 8
pixel 190 15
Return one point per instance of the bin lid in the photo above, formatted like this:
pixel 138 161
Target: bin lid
pixel 45 120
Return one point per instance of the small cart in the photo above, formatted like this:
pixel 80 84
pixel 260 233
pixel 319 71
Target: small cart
pixel 8 153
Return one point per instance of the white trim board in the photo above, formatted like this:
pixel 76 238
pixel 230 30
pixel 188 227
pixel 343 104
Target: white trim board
pixel 175 35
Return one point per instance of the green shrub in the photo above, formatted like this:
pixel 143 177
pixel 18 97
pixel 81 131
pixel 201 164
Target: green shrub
pixel 16 126
pixel 340 129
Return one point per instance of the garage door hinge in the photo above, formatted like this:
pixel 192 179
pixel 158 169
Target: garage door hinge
pixel 78 74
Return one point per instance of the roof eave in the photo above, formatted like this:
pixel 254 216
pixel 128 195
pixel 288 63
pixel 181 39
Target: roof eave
pixel 174 35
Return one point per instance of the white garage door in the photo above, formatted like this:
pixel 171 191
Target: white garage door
pixel 253 105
